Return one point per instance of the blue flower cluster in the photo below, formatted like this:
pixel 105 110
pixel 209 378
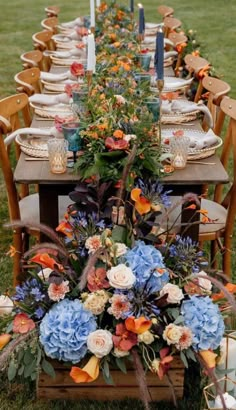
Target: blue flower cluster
pixel 203 317
pixel 32 292
pixel 64 330
pixel 147 264
pixel 185 255
pixel 155 192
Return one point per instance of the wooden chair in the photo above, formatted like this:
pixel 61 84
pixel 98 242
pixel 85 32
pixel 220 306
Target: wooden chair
pixel 179 40
pixel 222 209
pixel 52 11
pixel 198 67
pixel 217 90
pixel 50 24
pixel 43 41
pixel 35 58
pixel 165 11
pixel 28 81
pixel 170 24
pixel 15 113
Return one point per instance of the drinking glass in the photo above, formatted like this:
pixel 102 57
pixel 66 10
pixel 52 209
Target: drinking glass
pixel 57 155
pixel 144 61
pixel 153 105
pixel 71 132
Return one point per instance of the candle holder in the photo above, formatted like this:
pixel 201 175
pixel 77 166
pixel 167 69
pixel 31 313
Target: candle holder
pixel 213 398
pixel 57 155
pixel 227 360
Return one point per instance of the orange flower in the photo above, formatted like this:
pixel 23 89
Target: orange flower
pixel 103 126
pixel 230 287
pixel 161 367
pixel 118 134
pixel 102 7
pixel 180 47
pixel 65 227
pixel 204 71
pixel 22 323
pixel 115 68
pixel 89 373
pixel 209 357
pixel 77 69
pixel 46 261
pixel 120 14
pixel 193 206
pixel 4 339
pixel 112 36
pixel 196 53
pixel 12 251
pixel 139 325
pixel 116 44
pixel 142 204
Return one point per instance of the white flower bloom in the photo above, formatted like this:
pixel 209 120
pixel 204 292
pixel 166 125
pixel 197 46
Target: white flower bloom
pixel 93 243
pixel 120 353
pixel 204 283
pixel 6 305
pixel 121 277
pixel 172 334
pixel 175 294
pixel 96 301
pixel 129 137
pixel 100 342
pixel 118 249
pixel 45 273
pixel 146 337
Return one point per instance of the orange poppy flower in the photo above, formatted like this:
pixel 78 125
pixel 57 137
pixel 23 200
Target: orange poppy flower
pixel 180 47
pixel 4 339
pixel 139 325
pixel 116 44
pixel 118 134
pixel 46 261
pixel 22 323
pixel 230 287
pixel 65 228
pixel 89 373
pixel 204 71
pixel 102 7
pixel 142 204
pixel 196 53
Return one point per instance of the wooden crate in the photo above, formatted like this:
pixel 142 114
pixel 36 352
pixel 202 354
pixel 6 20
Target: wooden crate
pixel 63 387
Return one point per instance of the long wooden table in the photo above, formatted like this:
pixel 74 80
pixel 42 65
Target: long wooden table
pixel 51 186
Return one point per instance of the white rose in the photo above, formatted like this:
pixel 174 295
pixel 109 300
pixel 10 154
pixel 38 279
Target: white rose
pixel 146 337
pixel 172 334
pixel 175 294
pixel 118 249
pixel 96 301
pixel 100 342
pixel 6 305
pixel 204 283
pixel 121 277
pixel 45 273
pixel 129 137
pixel 120 353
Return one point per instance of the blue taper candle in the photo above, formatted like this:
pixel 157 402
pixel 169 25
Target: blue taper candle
pixel 131 6
pixel 141 19
pixel 159 54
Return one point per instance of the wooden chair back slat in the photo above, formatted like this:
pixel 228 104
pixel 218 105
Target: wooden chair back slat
pixel 36 58
pixel 43 40
pixel 50 24
pixel 165 11
pixel 28 81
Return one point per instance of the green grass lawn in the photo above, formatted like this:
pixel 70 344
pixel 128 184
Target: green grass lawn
pixel 214 21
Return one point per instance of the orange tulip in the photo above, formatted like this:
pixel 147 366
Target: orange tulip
pixel 209 357
pixel 142 204
pixel 139 325
pixel 46 261
pixel 4 339
pixel 65 228
pixel 89 373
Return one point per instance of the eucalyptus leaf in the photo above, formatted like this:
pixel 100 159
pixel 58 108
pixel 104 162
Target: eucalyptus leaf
pixel 28 357
pixel 106 374
pixel 106 369
pixel 184 359
pixel 21 370
pixel 179 320
pixel 30 369
pixel 189 353
pixel 121 364
pixel 48 368
pixel 119 234
pixel 12 369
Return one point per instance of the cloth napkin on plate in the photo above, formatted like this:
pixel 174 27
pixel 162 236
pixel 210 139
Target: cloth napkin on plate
pixel 74 52
pixel 46 99
pixel 182 106
pixel 168 54
pixel 200 142
pixel 31 131
pixel 54 77
pixel 71 24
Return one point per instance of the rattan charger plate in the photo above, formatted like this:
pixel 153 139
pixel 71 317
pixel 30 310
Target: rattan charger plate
pixel 35 146
pixel 179 118
pixel 193 154
pixel 59 86
pixel 65 61
pixel 50 111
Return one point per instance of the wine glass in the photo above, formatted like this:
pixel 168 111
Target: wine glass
pixel 71 132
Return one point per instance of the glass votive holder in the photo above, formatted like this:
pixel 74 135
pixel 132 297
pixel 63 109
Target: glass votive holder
pixel 153 105
pixel 179 151
pixel 143 79
pixel 144 61
pixel 57 155
pixel 80 95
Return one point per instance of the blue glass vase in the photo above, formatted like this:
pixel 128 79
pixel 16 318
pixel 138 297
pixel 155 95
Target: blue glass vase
pixel 71 131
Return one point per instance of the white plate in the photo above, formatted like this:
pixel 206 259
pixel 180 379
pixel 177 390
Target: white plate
pixel 167 134
pixel 61 38
pixel 60 86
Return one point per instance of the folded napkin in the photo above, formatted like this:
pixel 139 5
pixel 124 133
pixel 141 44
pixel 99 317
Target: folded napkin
pixel 200 142
pixel 184 107
pixel 168 54
pixel 168 42
pixel 173 82
pixel 48 99
pixel 71 24
pixel 53 77
pixel 30 131
pixel 74 52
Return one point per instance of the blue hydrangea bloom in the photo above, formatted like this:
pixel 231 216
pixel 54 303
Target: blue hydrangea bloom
pixel 147 264
pixel 203 317
pixel 64 330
